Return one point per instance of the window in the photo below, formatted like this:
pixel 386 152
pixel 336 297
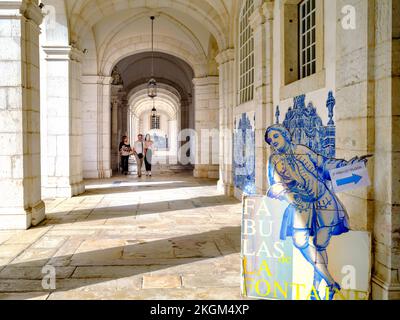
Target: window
pixel 303 46
pixel 155 122
pixel 246 59
pixel 307 38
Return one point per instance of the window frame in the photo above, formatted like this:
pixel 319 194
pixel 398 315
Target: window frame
pixel 291 83
pixel 246 68
pixel 307 37
pixel 158 121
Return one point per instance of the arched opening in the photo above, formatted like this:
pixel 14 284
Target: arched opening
pixel 131 107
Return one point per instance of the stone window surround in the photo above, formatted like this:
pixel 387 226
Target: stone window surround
pixel 290 89
pixel 244 89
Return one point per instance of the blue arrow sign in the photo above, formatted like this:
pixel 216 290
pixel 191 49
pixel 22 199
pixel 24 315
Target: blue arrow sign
pixel 355 178
pixel 350 177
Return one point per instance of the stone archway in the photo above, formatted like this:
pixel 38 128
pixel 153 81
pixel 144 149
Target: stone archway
pixel 174 104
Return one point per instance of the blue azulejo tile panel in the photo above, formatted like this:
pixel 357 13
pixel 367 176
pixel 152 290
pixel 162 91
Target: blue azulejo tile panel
pixel 307 128
pixel 244 153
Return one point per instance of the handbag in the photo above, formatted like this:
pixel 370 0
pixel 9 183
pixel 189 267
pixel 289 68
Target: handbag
pixel 125 152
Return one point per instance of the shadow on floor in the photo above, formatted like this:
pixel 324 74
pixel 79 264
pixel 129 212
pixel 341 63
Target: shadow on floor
pixel 119 187
pixel 135 210
pixel 91 267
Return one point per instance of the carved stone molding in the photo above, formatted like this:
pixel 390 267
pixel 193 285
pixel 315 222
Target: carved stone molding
pixel 225 56
pixel 257 18
pixel 23 8
pixel 62 53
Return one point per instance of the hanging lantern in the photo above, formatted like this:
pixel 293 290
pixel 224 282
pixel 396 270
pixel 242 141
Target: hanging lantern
pixel 154 110
pixel 152 88
pixel 152 84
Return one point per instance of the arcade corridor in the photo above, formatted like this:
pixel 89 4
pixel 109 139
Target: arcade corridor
pixel 168 237
pixel 204 80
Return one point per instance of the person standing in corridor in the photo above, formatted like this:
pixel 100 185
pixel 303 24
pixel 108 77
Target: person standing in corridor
pixel 125 151
pixel 139 154
pixel 148 152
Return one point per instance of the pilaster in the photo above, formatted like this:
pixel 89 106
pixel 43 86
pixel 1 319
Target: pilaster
pixel 62 133
pixel 20 200
pixel 226 62
pixel 206 100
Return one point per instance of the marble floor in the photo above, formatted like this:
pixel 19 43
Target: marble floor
pixel 165 237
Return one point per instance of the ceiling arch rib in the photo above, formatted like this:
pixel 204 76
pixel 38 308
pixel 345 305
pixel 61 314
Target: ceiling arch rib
pixel 136 92
pixel 167 45
pixel 166 102
pixel 135 70
pixel 108 42
pixel 89 13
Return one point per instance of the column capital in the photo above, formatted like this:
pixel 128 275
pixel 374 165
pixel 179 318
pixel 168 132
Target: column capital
pixel 225 56
pixel 206 81
pixel 105 80
pixel 96 79
pixel 22 8
pixel 268 10
pixel 62 53
pixel 257 18
pixel 33 12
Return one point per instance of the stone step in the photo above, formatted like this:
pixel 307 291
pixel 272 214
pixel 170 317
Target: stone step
pixel 172 168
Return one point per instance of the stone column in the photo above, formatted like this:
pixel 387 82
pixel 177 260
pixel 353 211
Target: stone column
pixel 173 141
pixel 206 103
pixel 20 197
pixel 184 114
pixel 62 164
pixel 354 98
pixel 104 128
pixel 386 271
pixel 226 62
pixel 262 31
pixel 96 101
pixel 134 127
pixel 367 117
pixel 116 138
pixel 124 127
pixel 268 11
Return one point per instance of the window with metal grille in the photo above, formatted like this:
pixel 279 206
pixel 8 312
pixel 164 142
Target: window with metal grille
pixel 155 122
pixel 246 59
pixel 307 34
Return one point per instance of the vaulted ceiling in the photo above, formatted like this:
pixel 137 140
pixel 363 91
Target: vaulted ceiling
pixel 136 70
pixel 193 30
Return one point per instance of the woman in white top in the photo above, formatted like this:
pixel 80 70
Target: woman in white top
pixel 148 152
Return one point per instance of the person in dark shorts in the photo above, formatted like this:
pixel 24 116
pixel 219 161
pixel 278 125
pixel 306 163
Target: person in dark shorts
pixel 125 151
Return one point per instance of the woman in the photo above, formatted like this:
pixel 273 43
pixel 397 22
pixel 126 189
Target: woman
pixel 301 177
pixel 125 151
pixel 148 152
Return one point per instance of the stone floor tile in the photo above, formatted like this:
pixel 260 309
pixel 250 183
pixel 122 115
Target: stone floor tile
pixel 11 250
pixel 49 242
pixel 162 281
pixel 130 240
pixel 24 296
pixel 6 235
pixel 201 248
pixel 18 285
pixel 221 280
pixel 33 273
pixel 28 236
pixel 4 262
pixel 34 257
